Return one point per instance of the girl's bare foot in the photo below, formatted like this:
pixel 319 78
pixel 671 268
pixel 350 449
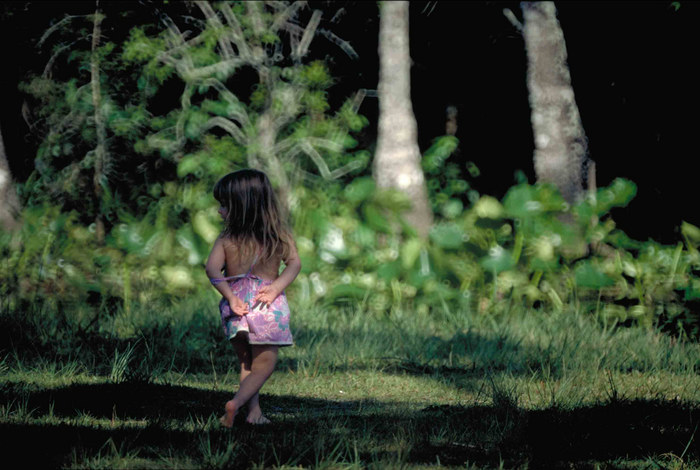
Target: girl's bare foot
pixel 259 420
pixel 256 417
pixel 227 419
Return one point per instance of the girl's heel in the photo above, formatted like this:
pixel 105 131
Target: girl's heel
pixel 227 419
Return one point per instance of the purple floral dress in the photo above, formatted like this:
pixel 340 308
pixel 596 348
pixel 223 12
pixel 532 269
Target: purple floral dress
pixel 261 326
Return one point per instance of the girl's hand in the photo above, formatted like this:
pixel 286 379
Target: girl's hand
pixel 266 295
pixel 238 307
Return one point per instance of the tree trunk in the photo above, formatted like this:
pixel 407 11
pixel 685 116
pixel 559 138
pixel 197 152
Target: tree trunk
pixel 397 158
pixel 266 160
pixel 560 141
pixel 101 148
pixel 9 203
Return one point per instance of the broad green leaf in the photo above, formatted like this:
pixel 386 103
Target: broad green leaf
pixel 624 191
pixel 364 236
pixel 196 252
pixel 691 232
pixel 452 208
pixel 359 190
pixel 410 252
pixel 346 292
pixel 189 164
pixel 520 202
pixel 376 219
pixel 618 194
pixel 498 259
pixel 389 271
pixel 392 199
pixel 441 149
pixel 692 291
pixel 585 211
pixel 447 235
pixel 550 197
pixel 588 275
pixel 614 312
pixel 176 277
pixel 488 207
pixel 196 120
pixel 203 227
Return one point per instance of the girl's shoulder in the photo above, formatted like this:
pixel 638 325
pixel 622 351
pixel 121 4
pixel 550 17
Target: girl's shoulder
pixel 222 238
pixel 229 244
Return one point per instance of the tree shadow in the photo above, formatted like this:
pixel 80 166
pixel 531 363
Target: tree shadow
pixel 178 419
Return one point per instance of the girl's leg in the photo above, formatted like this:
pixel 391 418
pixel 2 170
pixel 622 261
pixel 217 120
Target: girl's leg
pixel 264 359
pixel 245 357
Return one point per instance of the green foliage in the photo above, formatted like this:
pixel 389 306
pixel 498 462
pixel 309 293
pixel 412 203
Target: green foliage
pixel 446 188
pixel 56 260
pixel 277 113
pixel 531 249
pixel 63 121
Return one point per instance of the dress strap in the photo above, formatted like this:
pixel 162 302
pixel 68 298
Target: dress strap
pixel 216 280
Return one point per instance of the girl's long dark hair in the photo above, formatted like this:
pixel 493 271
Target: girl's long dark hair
pixel 255 219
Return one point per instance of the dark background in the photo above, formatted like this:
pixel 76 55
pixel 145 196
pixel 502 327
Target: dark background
pixel 632 67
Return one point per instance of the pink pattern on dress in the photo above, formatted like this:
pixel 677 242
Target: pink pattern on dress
pixel 263 326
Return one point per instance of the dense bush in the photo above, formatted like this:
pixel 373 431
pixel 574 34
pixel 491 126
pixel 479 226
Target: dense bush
pixel 529 250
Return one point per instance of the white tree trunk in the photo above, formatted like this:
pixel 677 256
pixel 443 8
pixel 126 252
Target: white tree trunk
pixel 560 141
pixel 397 158
pixel 9 203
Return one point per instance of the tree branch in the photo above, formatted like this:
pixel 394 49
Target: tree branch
pixel 215 23
pixel 285 15
pixel 255 17
pixel 320 163
pixel 54 56
pixel 239 113
pixel 227 67
pixel 178 39
pixel 329 144
pixel 508 13
pixel 229 126
pixel 342 43
pixel 101 157
pixel 185 103
pixel 308 36
pixel 358 99
pixel 236 32
pixel 52 29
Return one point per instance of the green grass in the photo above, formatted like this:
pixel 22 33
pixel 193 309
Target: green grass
pixel 144 389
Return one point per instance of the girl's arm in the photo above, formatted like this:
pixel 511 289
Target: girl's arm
pixel 267 294
pixel 214 268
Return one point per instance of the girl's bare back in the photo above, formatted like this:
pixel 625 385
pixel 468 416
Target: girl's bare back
pixel 267 269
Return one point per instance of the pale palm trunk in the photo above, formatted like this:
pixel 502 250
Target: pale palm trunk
pixel 397 159
pixel 9 203
pixel 560 141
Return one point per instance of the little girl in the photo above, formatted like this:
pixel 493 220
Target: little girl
pixel 254 311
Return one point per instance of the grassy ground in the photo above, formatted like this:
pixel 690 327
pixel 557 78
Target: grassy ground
pixel 531 390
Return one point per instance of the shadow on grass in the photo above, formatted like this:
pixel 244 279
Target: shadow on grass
pixel 306 431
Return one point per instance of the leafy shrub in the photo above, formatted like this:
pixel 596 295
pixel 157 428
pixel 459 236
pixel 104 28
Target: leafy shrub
pixel 529 249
